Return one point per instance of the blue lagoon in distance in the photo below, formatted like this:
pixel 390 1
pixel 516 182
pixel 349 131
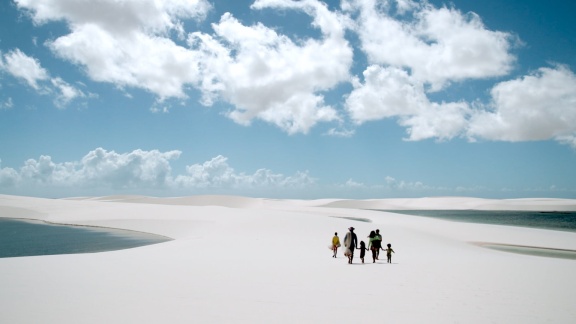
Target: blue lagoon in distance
pixel 555 220
pixel 31 238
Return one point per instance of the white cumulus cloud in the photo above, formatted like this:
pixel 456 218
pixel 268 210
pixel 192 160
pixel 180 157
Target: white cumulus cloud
pixel 438 45
pixel 23 67
pixel 142 170
pixel 394 93
pixel 65 92
pixel 8 177
pixel 130 170
pixel 125 41
pixel 29 69
pixel 414 51
pixel 98 168
pixel 217 173
pixel 269 76
pixel 392 183
pixel 538 106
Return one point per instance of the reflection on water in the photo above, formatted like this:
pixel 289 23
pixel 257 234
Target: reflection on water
pixel 30 238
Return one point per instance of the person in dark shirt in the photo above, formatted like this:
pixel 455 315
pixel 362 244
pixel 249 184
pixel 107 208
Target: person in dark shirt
pixel 362 249
pixel 377 243
pixel 389 252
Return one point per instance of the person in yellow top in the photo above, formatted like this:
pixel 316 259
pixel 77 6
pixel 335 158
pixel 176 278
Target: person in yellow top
pixel 335 244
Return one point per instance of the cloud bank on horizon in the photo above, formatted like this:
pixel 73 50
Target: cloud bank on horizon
pixel 388 59
pixel 150 172
pixel 149 169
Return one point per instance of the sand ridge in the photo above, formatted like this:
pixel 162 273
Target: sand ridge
pixel 252 260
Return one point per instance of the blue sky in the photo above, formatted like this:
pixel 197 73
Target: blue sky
pixel 288 99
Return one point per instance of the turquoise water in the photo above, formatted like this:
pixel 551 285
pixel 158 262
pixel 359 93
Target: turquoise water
pixel 29 238
pixel 560 221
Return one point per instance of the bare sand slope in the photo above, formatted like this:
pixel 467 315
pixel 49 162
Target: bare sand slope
pixel 247 260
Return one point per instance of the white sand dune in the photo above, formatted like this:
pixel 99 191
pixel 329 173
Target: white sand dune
pixel 458 203
pixel 248 260
pixel 224 201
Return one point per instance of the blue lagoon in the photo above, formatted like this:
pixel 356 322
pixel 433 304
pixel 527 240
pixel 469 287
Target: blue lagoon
pixel 20 237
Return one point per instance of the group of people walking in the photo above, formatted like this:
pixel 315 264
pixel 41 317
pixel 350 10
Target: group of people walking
pixel 351 243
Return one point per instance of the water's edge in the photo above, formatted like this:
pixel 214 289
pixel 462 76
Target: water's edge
pixel 32 237
pixel 558 221
pixel 87 226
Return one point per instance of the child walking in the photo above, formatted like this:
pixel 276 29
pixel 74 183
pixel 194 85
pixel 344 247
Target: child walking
pixel 362 250
pixel 335 244
pixel 389 252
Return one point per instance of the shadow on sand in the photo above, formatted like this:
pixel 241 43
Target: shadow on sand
pixel 358 219
pixel 530 250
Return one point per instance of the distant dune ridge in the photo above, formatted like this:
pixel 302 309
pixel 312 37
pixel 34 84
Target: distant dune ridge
pixel 440 203
pixel 254 260
pixel 447 203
